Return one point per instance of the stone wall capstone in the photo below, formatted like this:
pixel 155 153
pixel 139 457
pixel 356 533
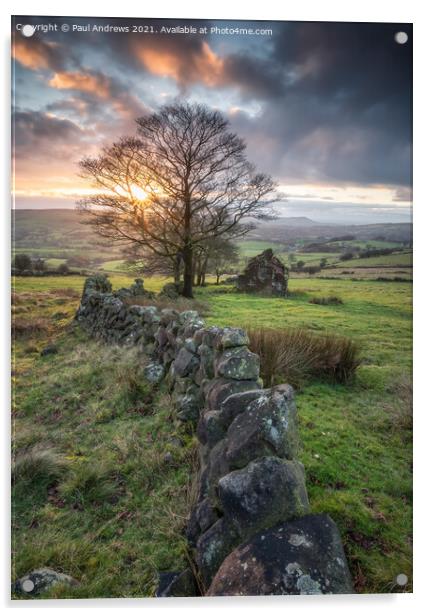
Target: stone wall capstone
pixel 250 531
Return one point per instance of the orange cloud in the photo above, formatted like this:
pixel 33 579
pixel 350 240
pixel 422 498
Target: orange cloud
pixel 201 64
pixel 35 54
pixel 96 84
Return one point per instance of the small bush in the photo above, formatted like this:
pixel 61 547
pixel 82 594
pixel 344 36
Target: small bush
pixel 295 355
pixel 347 256
pixel 332 300
pixel 63 269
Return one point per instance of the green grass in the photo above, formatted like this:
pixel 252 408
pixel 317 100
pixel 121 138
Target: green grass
pixel 250 248
pixel 363 244
pixel 396 259
pixel 115 512
pixel 357 439
pixel 95 493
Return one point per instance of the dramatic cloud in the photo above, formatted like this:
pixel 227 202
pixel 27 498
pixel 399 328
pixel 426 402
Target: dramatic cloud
pixel 37 54
pixel 95 83
pixel 318 104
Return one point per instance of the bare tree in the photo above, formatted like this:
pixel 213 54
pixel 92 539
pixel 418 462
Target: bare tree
pixel 222 256
pixel 183 180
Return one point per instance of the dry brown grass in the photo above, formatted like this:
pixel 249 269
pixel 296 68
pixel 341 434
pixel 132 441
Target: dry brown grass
pixel 400 411
pixel 26 327
pixel 295 355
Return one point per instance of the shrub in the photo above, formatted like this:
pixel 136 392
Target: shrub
pixel 295 355
pixel 63 269
pixel 332 300
pixel 311 269
pixel 22 262
pixel 347 256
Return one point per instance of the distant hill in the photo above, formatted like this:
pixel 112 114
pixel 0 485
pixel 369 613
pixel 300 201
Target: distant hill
pixel 61 232
pixel 297 221
pixel 57 232
pixel 286 230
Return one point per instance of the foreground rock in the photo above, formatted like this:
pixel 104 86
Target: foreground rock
pixel 267 491
pixel 304 557
pixel 41 580
pixel 172 584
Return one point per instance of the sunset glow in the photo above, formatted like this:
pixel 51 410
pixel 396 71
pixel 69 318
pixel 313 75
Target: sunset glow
pixel 328 146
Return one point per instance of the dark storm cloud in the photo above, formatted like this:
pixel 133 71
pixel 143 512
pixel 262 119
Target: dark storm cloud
pixel 345 110
pixel 32 126
pixel 334 98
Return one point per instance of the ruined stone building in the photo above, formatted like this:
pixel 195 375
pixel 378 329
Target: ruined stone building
pixel 265 274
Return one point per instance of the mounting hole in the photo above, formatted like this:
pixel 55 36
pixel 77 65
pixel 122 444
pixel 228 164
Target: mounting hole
pixel 27 30
pixel 27 585
pixel 401 38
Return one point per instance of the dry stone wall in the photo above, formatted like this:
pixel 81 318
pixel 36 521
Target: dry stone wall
pixel 250 530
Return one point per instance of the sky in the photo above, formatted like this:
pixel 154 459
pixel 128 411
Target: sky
pixel 325 108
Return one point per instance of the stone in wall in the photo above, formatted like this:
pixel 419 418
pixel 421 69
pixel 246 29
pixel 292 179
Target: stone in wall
pixel 301 557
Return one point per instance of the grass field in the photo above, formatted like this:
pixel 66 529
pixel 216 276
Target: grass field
pixel 402 259
pixel 112 496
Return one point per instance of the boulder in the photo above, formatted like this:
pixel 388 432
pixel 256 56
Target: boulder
pixel 41 580
pixel 185 363
pixel 154 373
pixel 210 430
pixel 238 363
pixel 51 349
pixel 229 337
pixel 303 557
pixel 219 389
pixel 174 584
pixel 170 290
pixel 267 491
pixel 268 426
pixel 236 404
pixel 188 405
pixel 213 547
pixel 206 515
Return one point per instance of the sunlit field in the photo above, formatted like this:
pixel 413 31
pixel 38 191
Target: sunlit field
pixel 110 517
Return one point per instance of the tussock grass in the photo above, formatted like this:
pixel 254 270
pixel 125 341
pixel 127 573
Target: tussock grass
pixel 23 327
pixel 400 409
pixel 295 355
pixel 90 484
pixel 38 467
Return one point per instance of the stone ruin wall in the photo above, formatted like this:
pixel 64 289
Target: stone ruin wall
pixel 250 530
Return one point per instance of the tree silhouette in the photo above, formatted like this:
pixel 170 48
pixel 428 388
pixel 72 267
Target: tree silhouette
pixel 183 180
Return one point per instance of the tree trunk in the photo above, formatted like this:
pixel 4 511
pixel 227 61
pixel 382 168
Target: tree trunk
pixel 188 271
pixel 218 278
pixel 188 247
pixel 204 270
